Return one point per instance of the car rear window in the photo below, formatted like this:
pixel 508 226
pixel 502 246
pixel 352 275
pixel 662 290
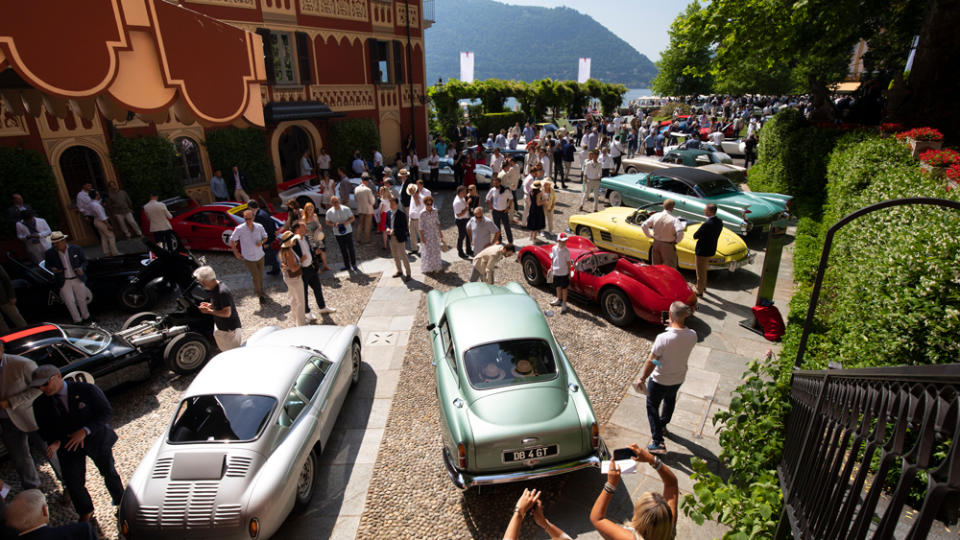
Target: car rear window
pixel 720 186
pixel 220 417
pixel 507 363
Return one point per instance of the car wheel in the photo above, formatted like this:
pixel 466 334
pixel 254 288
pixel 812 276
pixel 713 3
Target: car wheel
pixel 615 198
pixel 302 201
pixel 586 232
pixel 616 307
pixel 135 297
pixel 631 170
pixel 138 318
pixel 186 353
pixel 355 363
pixel 306 482
pixel 532 271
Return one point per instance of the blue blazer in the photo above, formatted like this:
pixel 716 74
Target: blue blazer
pixel 88 408
pixel 77 260
pixel 397 220
pixel 73 531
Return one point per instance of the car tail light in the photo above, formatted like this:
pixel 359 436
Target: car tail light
pixel 595 435
pixel 462 456
pixel 254 528
pixel 746 210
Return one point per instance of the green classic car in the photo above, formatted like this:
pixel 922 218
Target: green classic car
pixel 693 189
pixel 511 405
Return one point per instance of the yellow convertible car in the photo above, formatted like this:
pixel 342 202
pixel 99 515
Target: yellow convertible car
pixel 618 229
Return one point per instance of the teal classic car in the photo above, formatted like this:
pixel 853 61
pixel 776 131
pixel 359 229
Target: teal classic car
pixel 511 405
pixel 693 189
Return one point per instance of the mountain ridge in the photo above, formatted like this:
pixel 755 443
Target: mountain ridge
pixel 521 42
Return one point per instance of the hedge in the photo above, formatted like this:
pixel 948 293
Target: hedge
pixel 349 135
pixel 28 173
pixel 246 148
pixel 494 122
pixel 144 165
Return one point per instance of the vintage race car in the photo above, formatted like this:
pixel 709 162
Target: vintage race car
pixel 693 189
pixel 624 289
pixel 618 229
pixel 112 358
pixel 512 408
pixel 301 190
pixel 208 226
pixel 680 157
pixel 243 447
pixel 482 172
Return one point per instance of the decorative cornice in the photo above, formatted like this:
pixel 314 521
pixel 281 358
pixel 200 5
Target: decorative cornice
pixel 342 97
pixel 354 10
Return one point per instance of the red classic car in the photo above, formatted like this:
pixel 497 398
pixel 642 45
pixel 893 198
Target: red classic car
pixel 624 288
pixel 207 227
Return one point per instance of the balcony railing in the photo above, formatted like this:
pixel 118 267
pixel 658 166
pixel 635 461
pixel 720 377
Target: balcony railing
pixel 847 432
pixel 429 11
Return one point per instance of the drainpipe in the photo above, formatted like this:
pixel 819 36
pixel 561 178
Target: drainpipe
pixel 413 117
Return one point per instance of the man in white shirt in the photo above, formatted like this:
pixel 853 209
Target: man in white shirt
pixel 377 164
pixel 527 132
pixel 500 201
pixel 606 162
pixel 323 162
pixel 543 158
pixel 616 153
pixel 510 178
pixel 108 241
pixel 485 262
pixel 592 172
pixel 83 200
pixel 247 243
pixel 340 218
pixel 665 371
pixel 417 193
pixel 363 195
pixel 159 218
pixel 496 161
pixel 461 216
pixel 560 269
pixel 482 231
pixel 34 232
pixel 716 138
pixel 666 231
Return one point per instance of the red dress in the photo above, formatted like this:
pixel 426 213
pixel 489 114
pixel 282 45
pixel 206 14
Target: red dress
pixel 469 178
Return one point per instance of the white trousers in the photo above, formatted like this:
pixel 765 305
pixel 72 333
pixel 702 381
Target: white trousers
pixel 76 296
pixel 297 300
pixel 588 187
pixel 128 224
pixel 108 242
pixel 526 209
pixel 228 339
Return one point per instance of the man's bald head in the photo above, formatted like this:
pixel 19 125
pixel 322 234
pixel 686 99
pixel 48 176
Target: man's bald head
pixel 28 510
pixel 668 204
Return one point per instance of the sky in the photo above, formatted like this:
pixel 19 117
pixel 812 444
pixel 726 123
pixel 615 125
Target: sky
pixel 641 23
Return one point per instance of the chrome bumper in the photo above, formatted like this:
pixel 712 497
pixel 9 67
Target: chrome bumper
pixel 465 480
pixel 736 265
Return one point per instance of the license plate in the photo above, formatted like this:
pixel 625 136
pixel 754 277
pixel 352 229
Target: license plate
pixel 534 452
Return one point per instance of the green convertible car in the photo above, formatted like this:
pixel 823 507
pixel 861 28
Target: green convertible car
pixel 512 407
pixel 693 189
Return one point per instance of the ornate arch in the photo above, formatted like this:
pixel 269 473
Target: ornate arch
pixel 54 149
pixel 307 126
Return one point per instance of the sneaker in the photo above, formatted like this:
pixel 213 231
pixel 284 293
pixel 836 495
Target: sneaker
pixel 563 309
pixel 556 302
pixel 311 317
pixel 658 449
pixel 328 310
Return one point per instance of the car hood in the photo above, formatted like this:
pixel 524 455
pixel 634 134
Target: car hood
pixel 523 404
pixel 312 336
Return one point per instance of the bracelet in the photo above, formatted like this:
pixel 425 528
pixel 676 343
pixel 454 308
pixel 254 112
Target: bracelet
pixel 609 488
pixel 657 463
pixel 516 510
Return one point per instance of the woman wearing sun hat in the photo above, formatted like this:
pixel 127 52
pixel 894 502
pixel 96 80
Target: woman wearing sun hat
pixel 293 277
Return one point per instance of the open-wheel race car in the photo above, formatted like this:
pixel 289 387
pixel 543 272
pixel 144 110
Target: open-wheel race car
pixel 624 289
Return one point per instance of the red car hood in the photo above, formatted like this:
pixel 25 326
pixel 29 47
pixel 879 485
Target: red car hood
pixel 663 281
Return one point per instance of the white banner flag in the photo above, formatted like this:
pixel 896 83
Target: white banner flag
pixel 583 71
pixel 466 67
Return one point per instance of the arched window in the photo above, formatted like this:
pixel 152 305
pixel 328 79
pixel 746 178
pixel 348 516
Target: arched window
pixel 81 165
pixel 188 161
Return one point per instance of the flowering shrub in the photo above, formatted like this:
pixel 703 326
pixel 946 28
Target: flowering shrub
pixel 890 127
pixel 921 134
pixel 953 172
pixel 940 158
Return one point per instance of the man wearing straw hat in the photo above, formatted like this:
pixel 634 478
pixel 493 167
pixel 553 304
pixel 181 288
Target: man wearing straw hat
pixel 69 265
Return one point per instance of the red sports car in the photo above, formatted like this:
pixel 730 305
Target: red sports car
pixel 625 289
pixel 207 227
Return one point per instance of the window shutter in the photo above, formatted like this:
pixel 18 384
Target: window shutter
pixel 374 61
pixel 303 58
pixel 267 54
pixel 397 62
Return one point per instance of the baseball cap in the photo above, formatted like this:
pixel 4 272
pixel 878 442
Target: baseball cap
pixel 563 237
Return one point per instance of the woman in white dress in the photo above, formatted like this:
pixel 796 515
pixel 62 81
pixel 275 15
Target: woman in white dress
pixel 326 187
pixel 431 238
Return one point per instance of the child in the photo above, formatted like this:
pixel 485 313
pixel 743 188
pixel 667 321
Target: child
pixel 560 268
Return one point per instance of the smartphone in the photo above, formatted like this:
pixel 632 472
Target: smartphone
pixel 623 453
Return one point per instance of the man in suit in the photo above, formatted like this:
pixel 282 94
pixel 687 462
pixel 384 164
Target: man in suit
pixel 17 424
pixel 706 236
pixel 398 232
pixel 240 186
pixel 72 418
pixel 69 267
pixel 28 514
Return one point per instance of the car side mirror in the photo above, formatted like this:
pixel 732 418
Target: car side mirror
pixel 431 326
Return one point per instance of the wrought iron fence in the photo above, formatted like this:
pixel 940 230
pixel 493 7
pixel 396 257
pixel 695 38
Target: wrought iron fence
pixel 848 431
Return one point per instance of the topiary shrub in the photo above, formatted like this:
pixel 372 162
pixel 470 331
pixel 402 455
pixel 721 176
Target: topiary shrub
pixel 146 164
pixel 494 122
pixel 349 135
pixel 28 173
pixel 246 148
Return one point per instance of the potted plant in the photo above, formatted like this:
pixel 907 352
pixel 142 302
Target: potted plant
pixel 920 139
pixel 953 177
pixel 936 162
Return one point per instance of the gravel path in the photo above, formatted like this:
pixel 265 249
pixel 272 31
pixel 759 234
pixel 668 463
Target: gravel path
pixel 411 496
pixel 142 411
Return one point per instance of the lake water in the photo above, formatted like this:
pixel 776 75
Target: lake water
pixel 631 94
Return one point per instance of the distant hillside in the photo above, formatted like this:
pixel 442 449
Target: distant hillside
pixel 528 43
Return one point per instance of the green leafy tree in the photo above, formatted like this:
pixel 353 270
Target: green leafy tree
pixel 247 149
pixel 611 97
pixel 349 135
pixel 146 165
pixel 685 66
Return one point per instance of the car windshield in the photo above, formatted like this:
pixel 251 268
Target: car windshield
pixel 507 363
pixel 720 186
pixel 220 417
pixel 89 340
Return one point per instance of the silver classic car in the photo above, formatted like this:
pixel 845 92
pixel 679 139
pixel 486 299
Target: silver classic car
pixel 243 447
